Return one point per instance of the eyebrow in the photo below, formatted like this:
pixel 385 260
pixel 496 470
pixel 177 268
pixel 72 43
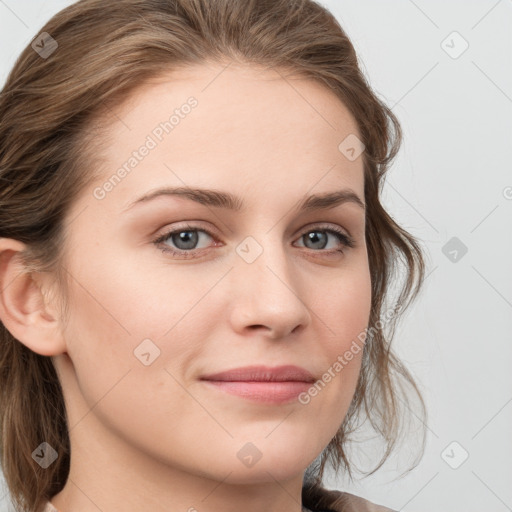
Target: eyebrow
pixel 226 200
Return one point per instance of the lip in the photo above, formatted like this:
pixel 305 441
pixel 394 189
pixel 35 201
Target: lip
pixel 263 374
pixel 265 384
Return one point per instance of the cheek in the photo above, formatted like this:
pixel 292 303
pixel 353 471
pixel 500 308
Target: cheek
pixel 344 309
pixel 118 323
pixel 126 313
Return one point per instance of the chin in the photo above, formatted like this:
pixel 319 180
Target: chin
pixel 249 463
pixel 263 473
pixel 279 460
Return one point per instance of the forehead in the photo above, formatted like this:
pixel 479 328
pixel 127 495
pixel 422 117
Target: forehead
pixel 248 95
pixel 260 128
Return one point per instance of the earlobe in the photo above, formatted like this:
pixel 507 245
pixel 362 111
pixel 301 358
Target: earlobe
pixel 23 310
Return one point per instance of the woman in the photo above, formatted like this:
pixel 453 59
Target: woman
pixel 195 263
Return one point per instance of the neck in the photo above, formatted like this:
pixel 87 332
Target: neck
pixel 106 474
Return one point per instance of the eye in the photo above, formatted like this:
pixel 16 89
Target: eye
pixel 186 238
pixel 317 238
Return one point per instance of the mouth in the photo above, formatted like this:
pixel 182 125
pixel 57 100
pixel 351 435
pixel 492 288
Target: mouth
pixel 262 384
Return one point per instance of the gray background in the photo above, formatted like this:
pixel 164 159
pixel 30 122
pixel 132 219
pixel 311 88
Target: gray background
pixel 452 179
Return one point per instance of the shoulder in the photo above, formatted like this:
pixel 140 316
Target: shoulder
pixel 338 501
pixel 355 503
pixel 48 507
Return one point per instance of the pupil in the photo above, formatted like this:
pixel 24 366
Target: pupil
pixel 313 236
pixel 188 238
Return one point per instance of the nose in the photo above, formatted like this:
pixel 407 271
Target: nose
pixel 268 295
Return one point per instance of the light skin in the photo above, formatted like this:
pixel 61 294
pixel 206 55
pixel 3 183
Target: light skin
pixel 156 437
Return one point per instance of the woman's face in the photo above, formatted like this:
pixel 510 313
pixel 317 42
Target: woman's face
pixel 265 284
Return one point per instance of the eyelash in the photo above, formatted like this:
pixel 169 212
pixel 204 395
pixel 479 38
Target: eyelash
pixel 345 240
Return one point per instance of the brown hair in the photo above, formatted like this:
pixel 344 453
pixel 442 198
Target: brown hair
pixel 50 113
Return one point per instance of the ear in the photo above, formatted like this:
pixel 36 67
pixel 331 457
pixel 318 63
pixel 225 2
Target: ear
pixel 23 310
